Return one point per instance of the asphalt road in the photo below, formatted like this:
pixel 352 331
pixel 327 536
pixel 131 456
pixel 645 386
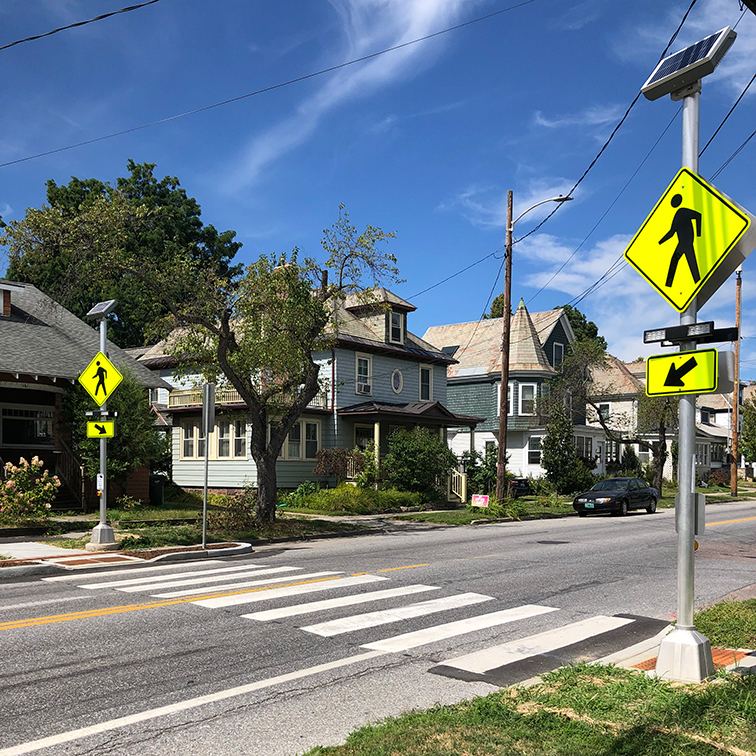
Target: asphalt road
pixel 92 664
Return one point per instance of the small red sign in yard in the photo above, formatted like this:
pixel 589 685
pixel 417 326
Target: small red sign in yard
pixel 478 500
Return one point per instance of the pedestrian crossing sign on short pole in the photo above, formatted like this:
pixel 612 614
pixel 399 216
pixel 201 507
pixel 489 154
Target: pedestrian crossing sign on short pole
pixel 100 378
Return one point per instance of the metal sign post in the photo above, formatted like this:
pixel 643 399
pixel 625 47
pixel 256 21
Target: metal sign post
pixel 208 423
pixel 685 654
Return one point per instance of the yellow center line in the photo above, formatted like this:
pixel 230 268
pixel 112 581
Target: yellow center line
pixel 728 522
pixel 135 607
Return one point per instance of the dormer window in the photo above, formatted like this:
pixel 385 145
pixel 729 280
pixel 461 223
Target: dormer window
pixel 396 327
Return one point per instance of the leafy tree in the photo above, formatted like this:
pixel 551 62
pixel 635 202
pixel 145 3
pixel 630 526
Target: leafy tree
pixel 497 308
pixel 747 437
pixel 137 442
pixel 172 228
pixel 630 462
pixel 481 470
pixel 564 469
pixel 417 459
pixel 584 329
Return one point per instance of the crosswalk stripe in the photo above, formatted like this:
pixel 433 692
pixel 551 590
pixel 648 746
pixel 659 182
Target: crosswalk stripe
pixel 386 616
pixel 460 627
pixel 335 603
pixel 542 643
pixel 131 571
pixel 215 578
pixel 163 578
pixel 246 583
pixel 289 590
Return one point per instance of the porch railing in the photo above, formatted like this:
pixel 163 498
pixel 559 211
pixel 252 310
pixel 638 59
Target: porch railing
pixel 193 398
pixel 71 472
pixel 458 485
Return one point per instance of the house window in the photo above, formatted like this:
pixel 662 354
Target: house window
pixel 527 398
pixel 717 453
pixel 584 447
pixel 509 398
pixel 534 450
pixel 363 436
pixel 364 371
pixel 558 354
pixel 311 440
pixel 426 383
pixel 240 439
pixel 294 444
pixel 192 440
pixel 224 438
pixel 396 329
pixel 397 381
pixel 702 454
pixel 604 412
pixel 705 417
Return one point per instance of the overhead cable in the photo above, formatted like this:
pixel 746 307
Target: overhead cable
pixel 78 23
pixel 271 88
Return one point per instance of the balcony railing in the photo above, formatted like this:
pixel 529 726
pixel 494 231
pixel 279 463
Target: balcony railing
pixel 193 398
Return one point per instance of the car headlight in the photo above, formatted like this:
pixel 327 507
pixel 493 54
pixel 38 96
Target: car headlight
pixel 581 501
pixel 604 500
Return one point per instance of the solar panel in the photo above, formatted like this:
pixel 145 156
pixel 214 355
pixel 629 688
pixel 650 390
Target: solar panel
pixel 689 65
pixel 102 308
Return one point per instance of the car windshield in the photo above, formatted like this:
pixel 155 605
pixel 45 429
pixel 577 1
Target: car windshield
pixel 611 485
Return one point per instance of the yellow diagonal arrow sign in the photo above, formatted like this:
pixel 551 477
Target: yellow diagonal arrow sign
pixel 682 373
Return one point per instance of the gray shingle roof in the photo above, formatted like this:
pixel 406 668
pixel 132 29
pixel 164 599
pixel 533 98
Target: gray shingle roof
pixel 42 338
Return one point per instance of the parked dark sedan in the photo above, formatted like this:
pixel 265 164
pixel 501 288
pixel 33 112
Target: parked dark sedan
pixel 618 496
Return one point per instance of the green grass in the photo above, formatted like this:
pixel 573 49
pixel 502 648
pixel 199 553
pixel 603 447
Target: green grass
pixel 731 624
pixel 587 710
pixel 190 535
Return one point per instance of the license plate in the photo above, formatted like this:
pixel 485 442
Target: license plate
pixel 589 505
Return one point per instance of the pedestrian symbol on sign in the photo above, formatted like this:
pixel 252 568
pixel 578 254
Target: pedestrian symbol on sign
pixel 100 378
pixel 687 236
pixel 682 226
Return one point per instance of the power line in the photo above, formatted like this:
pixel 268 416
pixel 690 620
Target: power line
pixel 79 23
pixel 724 120
pixel 271 88
pixel 614 132
pixel 454 275
pixel 733 156
pixel 614 202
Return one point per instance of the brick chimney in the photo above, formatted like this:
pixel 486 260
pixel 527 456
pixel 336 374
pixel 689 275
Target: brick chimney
pixel 6 290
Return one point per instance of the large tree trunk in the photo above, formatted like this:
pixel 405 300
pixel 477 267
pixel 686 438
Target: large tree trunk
pixel 265 510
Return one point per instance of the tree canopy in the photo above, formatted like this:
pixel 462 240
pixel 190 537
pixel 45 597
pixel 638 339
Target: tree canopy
pixel 141 216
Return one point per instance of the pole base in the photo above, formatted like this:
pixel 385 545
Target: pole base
pixel 684 656
pixel 103 539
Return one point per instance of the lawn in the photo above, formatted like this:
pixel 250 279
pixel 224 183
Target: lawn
pixel 586 709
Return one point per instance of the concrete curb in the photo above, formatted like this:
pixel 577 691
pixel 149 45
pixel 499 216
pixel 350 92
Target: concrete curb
pixel 177 556
pixel 31 569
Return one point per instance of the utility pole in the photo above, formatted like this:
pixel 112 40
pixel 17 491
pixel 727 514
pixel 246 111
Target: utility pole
pixel 736 392
pixel 506 322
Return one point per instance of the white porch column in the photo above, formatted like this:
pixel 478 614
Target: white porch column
pixel 377 444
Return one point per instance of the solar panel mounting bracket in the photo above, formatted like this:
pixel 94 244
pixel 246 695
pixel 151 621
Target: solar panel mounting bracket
pixel 691 89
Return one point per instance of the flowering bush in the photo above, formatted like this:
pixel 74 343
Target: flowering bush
pixel 27 492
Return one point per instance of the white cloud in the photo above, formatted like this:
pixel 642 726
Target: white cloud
pixel 578 16
pixel 486 207
pixel 367 26
pixel 596 115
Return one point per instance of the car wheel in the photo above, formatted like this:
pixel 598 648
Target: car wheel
pixel 582 514
pixel 651 508
pixel 623 509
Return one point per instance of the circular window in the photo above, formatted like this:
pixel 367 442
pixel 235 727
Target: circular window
pixel 397 381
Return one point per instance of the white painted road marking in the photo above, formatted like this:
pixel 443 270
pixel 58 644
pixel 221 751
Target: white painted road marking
pixel 291 590
pixel 131 571
pixel 460 627
pixel 244 584
pixel 42 603
pixel 159 578
pixel 386 616
pixel 542 643
pixel 335 603
pixel 214 578
pixel 191 703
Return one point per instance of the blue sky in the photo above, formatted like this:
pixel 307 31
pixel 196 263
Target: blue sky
pixel 424 141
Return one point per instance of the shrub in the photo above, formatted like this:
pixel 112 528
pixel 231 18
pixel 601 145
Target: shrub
pixel 354 500
pixel 128 502
pixel 507 507
pixel 28 491
pixel 335 462
pixel 481 470
pixel 564 469
pixel 720 478
pixel 233 514
pixel 417 461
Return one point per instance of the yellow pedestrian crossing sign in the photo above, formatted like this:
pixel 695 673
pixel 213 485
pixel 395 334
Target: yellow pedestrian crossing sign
pixel 688 234
pixel 100 378
pixel 101 429
pixel 682 373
